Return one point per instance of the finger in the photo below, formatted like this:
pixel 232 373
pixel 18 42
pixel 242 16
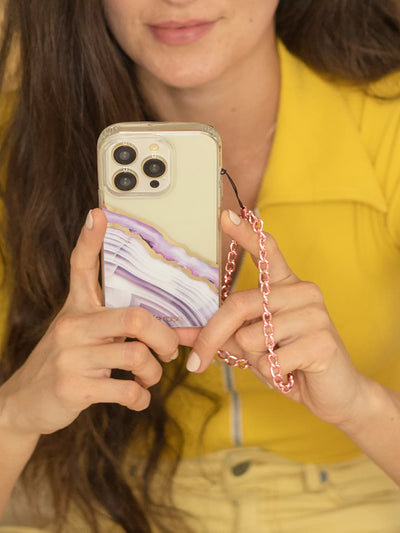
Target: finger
pixel 240 230
pixel 84 287
pixel 287 359
pixel 226 329
pixel 287 326
pixel 238 308
pixel 295 308
pixel 329 380
pixel 108 324
pixel 294 393
pixel 125 392
pixel 187 336
pixel 311 353
pixel 323 370
pixel 132 356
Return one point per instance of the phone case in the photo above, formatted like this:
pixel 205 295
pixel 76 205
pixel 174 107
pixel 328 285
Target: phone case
pixel 161 250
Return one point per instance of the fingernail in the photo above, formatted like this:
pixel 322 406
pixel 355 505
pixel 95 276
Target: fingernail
pixel 193 363
pixel 89 221
pixel 175 355
pixel 234 217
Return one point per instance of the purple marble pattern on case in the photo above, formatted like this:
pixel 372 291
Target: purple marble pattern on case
pixel 159 301
pixel 136 276
pixel 160 245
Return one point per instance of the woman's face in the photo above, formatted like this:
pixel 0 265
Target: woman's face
pixel 186 43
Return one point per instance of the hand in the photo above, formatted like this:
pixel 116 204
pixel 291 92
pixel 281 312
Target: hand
pixel 307 342
pixel 70 368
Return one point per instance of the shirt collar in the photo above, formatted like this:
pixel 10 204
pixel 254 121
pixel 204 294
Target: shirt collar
pixel 317 154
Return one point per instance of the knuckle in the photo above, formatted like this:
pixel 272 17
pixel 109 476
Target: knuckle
pixel 271 245
pixel 316 316
pixel 63 328
pixel 155 376
pixel 126 352
pixel 313 292
pixel 129 393
pixel 158 374
pixel 245 338
pixel 144 401
pixel 134 319
pixel 140 356
pixel 237 302
pixel 134 397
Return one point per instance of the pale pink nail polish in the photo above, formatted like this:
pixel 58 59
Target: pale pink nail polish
pixel 89 221
pixel 193 362
pixel 234 218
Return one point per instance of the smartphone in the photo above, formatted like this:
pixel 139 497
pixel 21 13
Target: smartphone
pixel 160 188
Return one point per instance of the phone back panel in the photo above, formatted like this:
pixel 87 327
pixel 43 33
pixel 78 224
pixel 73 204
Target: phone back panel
pixel 162 245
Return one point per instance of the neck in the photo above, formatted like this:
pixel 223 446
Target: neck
pixel 242 106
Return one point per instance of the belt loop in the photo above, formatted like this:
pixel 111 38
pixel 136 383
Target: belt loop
pixel 313 481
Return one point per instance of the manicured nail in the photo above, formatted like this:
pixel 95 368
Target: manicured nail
pixel 175 355
pixel 193 363
pixel 234 217
pixel 89 221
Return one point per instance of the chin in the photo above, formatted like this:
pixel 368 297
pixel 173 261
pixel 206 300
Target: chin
pixel 186 73
pixel 187 82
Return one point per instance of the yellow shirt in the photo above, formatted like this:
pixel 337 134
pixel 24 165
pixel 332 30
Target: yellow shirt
pixel 331 198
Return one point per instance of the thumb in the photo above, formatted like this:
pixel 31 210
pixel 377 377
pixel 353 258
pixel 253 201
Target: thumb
pixel 84 285
pixel 243 233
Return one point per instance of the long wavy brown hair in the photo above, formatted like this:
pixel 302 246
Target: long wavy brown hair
pixel 73 80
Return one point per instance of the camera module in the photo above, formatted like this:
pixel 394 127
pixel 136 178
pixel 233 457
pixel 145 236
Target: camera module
pixel 125 181
pixel 154 168
pixel 124 155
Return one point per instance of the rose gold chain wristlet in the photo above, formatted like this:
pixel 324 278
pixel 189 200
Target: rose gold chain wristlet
pixel 257 225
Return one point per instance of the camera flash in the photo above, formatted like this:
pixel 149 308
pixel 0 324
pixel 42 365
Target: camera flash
pixel 154 147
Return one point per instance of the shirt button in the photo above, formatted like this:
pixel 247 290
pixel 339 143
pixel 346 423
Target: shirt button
pixel 240 468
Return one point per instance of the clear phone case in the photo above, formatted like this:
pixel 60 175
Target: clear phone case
pixel 159 186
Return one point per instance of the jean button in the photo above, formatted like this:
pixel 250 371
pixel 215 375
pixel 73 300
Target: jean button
pixel 240 468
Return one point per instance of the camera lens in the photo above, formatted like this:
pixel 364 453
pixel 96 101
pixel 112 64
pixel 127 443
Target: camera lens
pixel 125 181
pixel 124 155
pixel 154 168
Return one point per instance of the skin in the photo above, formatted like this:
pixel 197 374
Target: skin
pixel 194 84
pixel 70 367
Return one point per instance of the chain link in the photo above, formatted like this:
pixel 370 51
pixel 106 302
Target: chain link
pixel 264 282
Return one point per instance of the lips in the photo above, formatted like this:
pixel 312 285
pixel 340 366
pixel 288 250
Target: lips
pixel 175 33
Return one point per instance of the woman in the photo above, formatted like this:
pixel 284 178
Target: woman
pixel 317 158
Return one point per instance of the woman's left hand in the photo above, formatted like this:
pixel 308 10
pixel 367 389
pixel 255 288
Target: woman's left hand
pixel 307 343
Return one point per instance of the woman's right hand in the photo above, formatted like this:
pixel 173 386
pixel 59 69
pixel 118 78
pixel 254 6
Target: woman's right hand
pixel 70 368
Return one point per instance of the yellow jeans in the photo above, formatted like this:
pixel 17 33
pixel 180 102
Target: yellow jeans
pixel 249 490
